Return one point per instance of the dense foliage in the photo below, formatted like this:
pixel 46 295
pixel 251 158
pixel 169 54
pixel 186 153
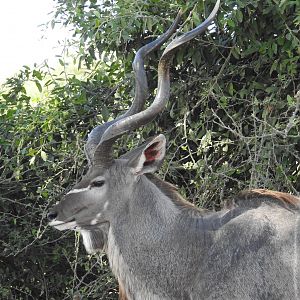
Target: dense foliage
pixel 232 123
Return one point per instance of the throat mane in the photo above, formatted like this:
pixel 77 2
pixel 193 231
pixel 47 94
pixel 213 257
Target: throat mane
pixel 131 285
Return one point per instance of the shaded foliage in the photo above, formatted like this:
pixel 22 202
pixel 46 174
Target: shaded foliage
pixel 232 123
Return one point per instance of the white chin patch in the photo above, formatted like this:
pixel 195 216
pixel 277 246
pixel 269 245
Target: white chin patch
pixel 60 225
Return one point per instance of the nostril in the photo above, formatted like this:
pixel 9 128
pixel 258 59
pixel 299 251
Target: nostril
pixel 51 215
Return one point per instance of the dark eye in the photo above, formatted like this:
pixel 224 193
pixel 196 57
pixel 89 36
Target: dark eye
pixel 98 183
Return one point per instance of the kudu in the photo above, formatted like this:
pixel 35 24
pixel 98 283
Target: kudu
pixel 159 245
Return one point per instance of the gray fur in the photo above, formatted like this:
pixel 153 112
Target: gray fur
pixel 162 249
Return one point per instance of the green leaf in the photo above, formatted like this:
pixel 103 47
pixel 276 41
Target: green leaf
pixel 280 40
pixel 290 100
pixel 231 23
pixel 196 18
pixel 38 85
pixel 149 24
pixel 43 155
pixel 239 16
pixel 97 14
pixel 236 52
pixel 179 56
pixel 274 66
pixel 37 74
pixel 105 113
pixel 224 101
pixel 230 89
pixel 32 160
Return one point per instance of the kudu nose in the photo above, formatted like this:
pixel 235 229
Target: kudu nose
pixel 52 215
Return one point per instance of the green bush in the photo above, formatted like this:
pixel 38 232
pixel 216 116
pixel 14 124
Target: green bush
pixel 232 123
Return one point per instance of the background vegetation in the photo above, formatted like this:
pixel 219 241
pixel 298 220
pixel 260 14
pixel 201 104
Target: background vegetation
pixel 232 123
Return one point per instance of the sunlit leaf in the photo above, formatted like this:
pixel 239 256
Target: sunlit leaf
pixel 43 155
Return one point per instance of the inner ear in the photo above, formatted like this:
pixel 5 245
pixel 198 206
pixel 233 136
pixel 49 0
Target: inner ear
pixel 149 157
pixel 151 153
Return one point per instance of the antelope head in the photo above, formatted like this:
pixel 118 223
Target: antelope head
pixel 97 200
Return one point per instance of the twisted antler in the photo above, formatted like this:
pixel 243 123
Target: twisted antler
pixel 141 93
pixel 134 117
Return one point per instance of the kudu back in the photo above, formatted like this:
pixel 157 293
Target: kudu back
pixel 159 245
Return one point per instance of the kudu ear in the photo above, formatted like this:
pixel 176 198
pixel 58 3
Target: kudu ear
pixel 149 157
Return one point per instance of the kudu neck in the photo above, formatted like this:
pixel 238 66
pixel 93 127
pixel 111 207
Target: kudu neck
pixel 146 206
pixel 151 222
pixel 151 203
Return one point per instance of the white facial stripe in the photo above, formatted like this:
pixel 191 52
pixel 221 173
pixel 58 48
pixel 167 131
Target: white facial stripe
pixel 99 178
pixel 78 190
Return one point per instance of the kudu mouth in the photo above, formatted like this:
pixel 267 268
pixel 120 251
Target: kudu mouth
pixel 71 223
pixel 61 225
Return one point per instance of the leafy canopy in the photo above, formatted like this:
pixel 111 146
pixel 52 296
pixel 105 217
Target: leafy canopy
pixel 232 123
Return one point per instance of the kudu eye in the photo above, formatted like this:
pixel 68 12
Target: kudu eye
pixel 97 183
pixel 52 215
